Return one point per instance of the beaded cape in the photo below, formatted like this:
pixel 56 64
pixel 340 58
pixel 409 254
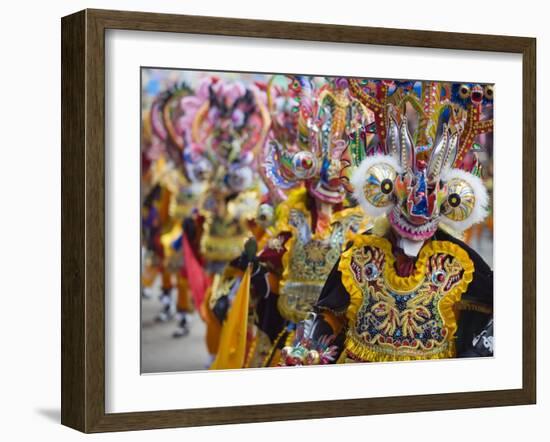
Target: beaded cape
pixel 403 318
pixel 310 256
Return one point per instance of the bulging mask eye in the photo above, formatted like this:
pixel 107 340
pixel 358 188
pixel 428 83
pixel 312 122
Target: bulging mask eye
pixel 378 187
pixel 466 200
pixel 460 200
pixel 374 184
pixel 489 92
pixel 304 164
pixel 464 91
pixel 239 179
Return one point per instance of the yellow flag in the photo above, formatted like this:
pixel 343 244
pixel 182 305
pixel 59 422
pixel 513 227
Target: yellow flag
pixel 232 349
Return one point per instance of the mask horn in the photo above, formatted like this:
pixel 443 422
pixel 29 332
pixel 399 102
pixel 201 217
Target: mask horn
pixel 392 138
pixel 439 154
pixel 451 152
pixel 406 156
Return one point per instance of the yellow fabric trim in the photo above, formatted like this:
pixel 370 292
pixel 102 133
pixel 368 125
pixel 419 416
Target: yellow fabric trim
pixel 290 338
pixel 386 352
pixel 395 282
pixel 251 352
pixel 213 327
pixel 297 200
pixel 361 353
pixel 404 285
pixel 344 213
pixel 232 348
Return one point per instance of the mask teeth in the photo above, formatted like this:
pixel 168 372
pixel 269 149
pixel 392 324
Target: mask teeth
pixel 403 224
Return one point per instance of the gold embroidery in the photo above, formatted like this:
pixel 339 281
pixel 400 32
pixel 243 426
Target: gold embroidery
pixel 399 318
pixel 225 227
pixel 310 256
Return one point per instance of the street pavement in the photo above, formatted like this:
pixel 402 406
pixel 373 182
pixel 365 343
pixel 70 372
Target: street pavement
pixel 160 352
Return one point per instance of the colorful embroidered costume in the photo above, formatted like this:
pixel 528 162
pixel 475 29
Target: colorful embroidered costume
pixel 223 126
pixel 308 156
pixel 408 289
pixel 181 189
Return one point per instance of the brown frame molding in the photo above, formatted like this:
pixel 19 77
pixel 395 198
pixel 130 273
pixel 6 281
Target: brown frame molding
pixel 83 217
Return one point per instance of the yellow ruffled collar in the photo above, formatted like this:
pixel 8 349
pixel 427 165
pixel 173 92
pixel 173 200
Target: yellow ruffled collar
pixel 404 285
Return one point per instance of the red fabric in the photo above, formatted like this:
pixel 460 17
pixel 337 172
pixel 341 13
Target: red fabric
pixel 404 265
pixel 274 257
pixel 197 278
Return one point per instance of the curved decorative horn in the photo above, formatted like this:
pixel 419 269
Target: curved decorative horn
pixel 156 119
pixel 392 137
pixel 439 153
pixel 406 154
pixel 174 137
pixel 199 118
pixel 452 151
pixel 266 124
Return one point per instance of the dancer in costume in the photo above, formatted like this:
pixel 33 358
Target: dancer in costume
pixel 316 137
pixel 409 288
pixel 180 253
pixel 179 192
pixel 160 183
pixel 224 125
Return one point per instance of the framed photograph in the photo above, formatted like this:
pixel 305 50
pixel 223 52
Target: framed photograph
pixel 267 220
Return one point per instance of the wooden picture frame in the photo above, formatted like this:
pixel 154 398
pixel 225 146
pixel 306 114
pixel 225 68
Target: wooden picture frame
pixel 83 219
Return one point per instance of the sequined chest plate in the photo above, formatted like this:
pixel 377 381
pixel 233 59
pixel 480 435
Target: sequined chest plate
pixel 398 318
pixel 309 260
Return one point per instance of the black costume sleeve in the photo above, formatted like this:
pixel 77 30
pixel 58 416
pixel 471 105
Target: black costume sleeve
pixel 475 324
pixel 268 319
pixel 220 308
pixel 334 296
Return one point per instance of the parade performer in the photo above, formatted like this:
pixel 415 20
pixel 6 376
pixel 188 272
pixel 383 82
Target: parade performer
pixel 308 157
pixel 179 190
pixel 223 126
pixel 409 288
